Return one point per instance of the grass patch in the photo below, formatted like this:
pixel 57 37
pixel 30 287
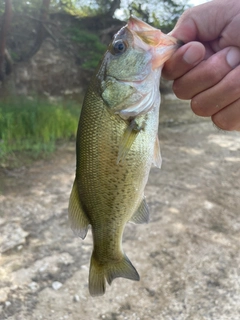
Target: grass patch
pixel 34 126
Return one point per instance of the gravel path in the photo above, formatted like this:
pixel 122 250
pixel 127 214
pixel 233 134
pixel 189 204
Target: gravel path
pixel 188 256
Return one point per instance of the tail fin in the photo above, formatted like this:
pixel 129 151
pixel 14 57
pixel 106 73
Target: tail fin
pixel 98 273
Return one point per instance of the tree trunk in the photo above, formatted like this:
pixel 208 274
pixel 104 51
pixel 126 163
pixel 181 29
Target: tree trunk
pixel 41 33
pixel 43 19
pixel 114 6
pixel 4 57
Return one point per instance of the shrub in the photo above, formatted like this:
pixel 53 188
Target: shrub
pixel 35 125
pixel 90 47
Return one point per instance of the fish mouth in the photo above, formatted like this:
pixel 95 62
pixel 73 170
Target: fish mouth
pixel 150 35
pixel 151 39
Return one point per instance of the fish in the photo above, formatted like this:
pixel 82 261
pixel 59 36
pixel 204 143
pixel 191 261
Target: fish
pixel 117 143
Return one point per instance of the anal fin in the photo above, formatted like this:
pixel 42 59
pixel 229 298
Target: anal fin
pixel 78 220
pixel 142 213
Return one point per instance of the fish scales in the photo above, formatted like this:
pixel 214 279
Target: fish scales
pixel 116 187
pixel 116 145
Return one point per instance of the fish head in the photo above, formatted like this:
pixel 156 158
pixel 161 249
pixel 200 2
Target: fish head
pixel 131 68
pixel 137 49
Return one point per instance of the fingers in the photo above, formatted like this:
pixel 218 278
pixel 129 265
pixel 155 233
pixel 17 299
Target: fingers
pixel 217 97
pixel 183 60
pixel 207 21
pixel 229 117
pixel 229 35
pixel 205 76
pixel 208 72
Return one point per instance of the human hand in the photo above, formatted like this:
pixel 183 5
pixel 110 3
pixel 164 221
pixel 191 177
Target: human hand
pixel 207 68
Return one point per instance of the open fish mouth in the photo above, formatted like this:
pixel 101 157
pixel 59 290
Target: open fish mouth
pixel 151 39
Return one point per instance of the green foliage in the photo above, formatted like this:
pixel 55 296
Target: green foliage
pixel 171 12
pixel 165 10
pixel 162 14
pixel 74 7
pixel 23 6
pixel 90 47
pixel 34 125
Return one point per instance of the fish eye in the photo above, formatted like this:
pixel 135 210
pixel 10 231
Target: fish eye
pixel 119 47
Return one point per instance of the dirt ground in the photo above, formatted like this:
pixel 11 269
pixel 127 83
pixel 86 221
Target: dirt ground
pixel 188 256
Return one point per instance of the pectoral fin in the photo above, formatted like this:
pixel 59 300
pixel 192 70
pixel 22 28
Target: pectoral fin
pixel 78 220
pixel 157 159
pixel 129 136
pixel 142 213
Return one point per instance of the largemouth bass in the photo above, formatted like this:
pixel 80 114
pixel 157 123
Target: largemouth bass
pixel 117 142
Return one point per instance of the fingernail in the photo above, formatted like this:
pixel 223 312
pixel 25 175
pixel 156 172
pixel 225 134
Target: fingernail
pixel 233 57
pixel 193 55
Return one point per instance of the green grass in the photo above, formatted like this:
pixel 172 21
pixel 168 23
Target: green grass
pixel 34 126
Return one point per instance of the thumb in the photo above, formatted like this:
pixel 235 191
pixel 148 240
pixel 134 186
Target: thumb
pixel 204 22
pixel 183 60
